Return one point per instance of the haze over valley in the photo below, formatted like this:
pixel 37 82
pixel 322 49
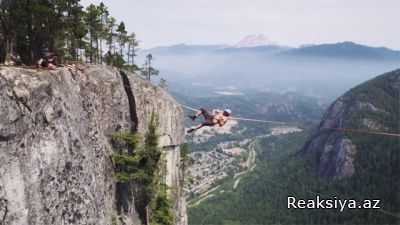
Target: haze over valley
pixel 256 63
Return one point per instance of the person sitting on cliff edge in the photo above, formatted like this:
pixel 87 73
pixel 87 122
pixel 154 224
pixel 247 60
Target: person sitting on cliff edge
pixel 217 117
pixel 48 61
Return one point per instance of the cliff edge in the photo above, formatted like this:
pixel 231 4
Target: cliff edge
pixel 55 130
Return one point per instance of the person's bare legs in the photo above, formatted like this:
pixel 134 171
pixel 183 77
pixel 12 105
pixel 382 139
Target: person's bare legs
pixel 39 63
pixel 196 128
pixel 198 113
pixel 203 112
pixel 51 66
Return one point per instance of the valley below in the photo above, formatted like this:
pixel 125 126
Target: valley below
pixel 244 175
pixel 212 167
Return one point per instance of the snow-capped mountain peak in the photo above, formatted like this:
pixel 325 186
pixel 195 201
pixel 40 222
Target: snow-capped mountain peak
pixel 254 41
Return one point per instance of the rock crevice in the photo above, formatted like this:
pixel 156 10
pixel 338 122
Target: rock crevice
pixel 131 101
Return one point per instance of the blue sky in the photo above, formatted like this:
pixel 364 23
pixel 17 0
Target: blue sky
pixel 288 22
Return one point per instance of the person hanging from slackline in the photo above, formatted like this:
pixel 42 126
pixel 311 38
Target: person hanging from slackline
pixel 217 117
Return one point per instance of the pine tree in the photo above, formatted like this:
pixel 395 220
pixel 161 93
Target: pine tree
pixel 9 11
pixel 75 29
pixel 186 161
pixel 163 83
pixel 147 70
pixel 122 38
pixel 92 21
pixel 140 165
pixel 41 33
pixel 132 44
pixel 110 27
pixel 103 27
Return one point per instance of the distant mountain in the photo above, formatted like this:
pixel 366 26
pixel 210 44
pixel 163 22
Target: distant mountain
pixel 254 41
pixel 320 70
pixel 373 105
pixel 265 49
pixel 260 44
pixel 306 45
pixel 345 50
pixel 183 49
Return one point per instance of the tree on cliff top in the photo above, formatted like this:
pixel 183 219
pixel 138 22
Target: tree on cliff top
pixel 31 28
pixel 148 70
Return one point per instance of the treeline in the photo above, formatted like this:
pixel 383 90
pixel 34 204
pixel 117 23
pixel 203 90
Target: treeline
pixel 30 28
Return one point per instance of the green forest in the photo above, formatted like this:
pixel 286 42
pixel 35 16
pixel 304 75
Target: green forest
pixel 285 169
pixel 261 198
pixel 29 29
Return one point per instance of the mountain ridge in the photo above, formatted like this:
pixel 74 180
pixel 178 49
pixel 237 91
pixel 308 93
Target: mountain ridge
pixel 373 106
pixel 346 49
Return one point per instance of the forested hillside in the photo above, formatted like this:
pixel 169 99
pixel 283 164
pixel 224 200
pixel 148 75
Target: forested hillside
pixel 286 168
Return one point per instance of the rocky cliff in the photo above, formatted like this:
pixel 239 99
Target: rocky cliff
pixel 55 129
pixel 373 105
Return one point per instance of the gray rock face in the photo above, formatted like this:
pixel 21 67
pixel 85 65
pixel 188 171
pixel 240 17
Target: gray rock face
pixel 336 160
pixel 337 152
pixel 55 143
pixel 357 109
